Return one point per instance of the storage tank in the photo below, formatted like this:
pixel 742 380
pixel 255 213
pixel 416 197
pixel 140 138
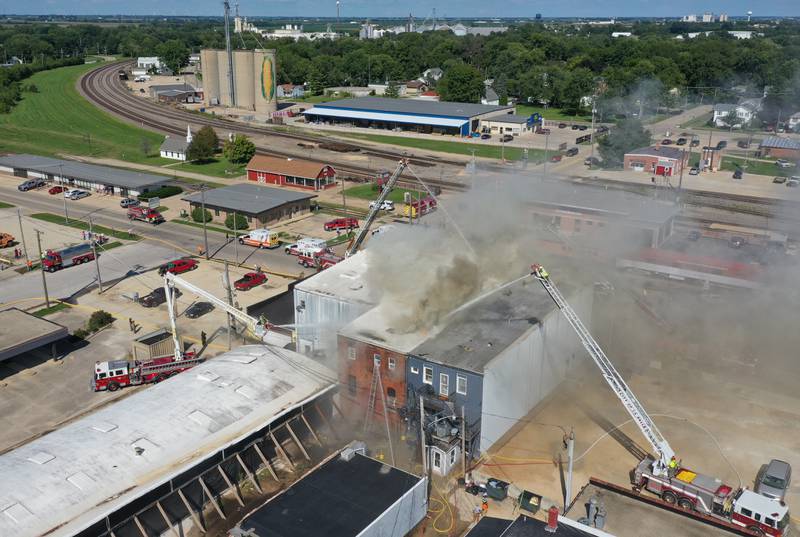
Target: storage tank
pixel 210 68
pixel 244 73
pixel 224 85
pixel 265 89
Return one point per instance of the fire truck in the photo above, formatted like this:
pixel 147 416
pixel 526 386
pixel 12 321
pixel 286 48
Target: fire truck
pixel 117 374
pixel 53 260
pixel 321 259
pixel 420 207
pixel 663 475
pixel 145 214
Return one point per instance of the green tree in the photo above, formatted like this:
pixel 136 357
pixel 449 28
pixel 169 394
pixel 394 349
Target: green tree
pixel 316 81
pixel 198 215
pixel 629 134
pixel 239 150
pixel 732 120
pixel 204 145
pixel 173 54
pixel 461 83
pixel 241 222
pixel 392 90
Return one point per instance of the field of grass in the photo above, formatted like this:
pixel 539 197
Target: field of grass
pixel 79 224
pixel 4 205
pixel 220 167
pixel 44 312
pixel 369 191
pixel 209 227
pixel 756 167
pixel 554 114
pixel 444 146
pixel 59 120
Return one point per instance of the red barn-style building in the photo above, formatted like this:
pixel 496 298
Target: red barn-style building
pixel 656 160
pixel 291 172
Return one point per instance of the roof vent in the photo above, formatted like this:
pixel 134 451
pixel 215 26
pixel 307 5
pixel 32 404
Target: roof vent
pixel 41 457
pixel 104 426
pixel 81 481
pixel 18 513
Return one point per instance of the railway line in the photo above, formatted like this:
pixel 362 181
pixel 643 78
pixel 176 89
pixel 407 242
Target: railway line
pixel 103 87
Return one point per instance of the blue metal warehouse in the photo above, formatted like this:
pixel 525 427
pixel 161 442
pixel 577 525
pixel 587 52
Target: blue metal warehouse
pixel 406 114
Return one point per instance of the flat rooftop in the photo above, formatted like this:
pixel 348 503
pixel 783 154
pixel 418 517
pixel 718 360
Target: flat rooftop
pixel 628 517
pixel 412 107
pixel 64 481
pixel 471 338
pixel 249 198
pixel 346 280
pixel 21 332
pixel 103 175
pixel 376 328
pixel 526 526
pixel 339 499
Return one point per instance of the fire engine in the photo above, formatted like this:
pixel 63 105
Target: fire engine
pixel 663 475
pixel 420 207
pixel 117 374
pixel 145 214
pixel 53 260
pixel 321 259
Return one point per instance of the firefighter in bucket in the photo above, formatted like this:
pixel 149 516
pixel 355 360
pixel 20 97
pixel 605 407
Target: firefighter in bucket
pixel 540 272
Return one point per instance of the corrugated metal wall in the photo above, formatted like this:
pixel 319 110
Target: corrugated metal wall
pixel 319 319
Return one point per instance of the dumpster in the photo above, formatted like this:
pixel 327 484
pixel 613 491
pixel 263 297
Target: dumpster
pixel 496 489
pixel 530 501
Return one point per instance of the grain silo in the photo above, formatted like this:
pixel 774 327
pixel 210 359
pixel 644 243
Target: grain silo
pixel 264 83
pixel 243 79
pixel 211 78
pixel 254 79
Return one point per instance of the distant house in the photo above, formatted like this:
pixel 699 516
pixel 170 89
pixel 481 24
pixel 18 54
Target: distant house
pixel 291 90
pixel 148 62
pixel 793 123
pixel 415 87
pixel 746 112
pixel 621 34
pixel 432 75
pixel 490 97
pixel 176 148
pixel 780 147
pixel 656 160
pixel 175 93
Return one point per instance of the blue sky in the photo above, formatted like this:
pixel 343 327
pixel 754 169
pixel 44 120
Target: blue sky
pixel 420 8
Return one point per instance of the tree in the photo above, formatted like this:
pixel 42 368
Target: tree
pixel 392 90
pixel 173 54
pixel 239 150
pixel 316 81
pixel 204 144
pixel 198 216
pixel 145 146
pixel 731 119
pixel 629 134
pixel 461 83
pixel 241 222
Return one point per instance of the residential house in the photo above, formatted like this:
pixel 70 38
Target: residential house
pixel 746 112
pixel 432 75
pixel 490 96
pixel 793 123
pixel 415 87
pixel 291 90
pixel 175 148
pixel 656 160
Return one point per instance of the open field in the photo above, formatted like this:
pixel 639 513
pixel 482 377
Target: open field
pixel 79 224
pixel 756 167
pixel 549 113
pixel 218 167
pixel 367 192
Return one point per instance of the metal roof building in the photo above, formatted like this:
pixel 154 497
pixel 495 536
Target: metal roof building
pixel 78 174
pixel 21 332
pixel 407 114
pixel 263 203
pixel 94 475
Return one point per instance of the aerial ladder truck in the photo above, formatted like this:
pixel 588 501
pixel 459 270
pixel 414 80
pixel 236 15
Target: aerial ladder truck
pixel 376 208
pixel 663 474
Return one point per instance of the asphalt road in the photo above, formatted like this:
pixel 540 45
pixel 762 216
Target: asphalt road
pixel 181 238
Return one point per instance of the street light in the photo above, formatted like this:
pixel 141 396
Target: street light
pixel 203 208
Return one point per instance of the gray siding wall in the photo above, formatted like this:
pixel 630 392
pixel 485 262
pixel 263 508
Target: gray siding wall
pixel 524 374
pixel 471 402
pixel 403 516
pixel 320 319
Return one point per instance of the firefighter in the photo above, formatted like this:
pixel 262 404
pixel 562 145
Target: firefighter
pixel 203 338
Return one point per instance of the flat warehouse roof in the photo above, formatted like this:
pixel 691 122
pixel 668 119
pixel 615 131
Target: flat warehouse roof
pixel 413 107
pixel 102 175
pixel 21 332
pixel 339 499
pixel 379 116
pixel 248 198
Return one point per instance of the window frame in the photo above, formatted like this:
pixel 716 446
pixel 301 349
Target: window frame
pixel 391 363
pixel 414 370
pixel 458 379
pixel 425 370
pixel 351 352
pixel 442 377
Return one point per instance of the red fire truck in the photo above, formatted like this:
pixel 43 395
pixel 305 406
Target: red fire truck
pixel 54 260
pixel 145 214
pixel 321 259
pixel 117 374
pixel 418 208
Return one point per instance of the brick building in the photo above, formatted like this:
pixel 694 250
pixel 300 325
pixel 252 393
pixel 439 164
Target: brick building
pixel 291 172
pixel 656 160
pixel 779 147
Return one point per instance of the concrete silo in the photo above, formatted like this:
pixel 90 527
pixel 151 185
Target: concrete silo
pixel 224 86
pixel 210 69
pixel 264 83
pixel 243 79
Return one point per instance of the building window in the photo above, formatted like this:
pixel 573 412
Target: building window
pixel 216 212
pixel 391 397
pixel 453 456
pixel 461 384
pixel 444 384
pixel 437 459
pixel 376 359
pixel 351 353
pixel 414 370
pixel 427 375
pixel 391 362
pixel 351 384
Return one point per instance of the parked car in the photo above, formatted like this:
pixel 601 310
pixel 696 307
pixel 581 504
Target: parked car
pixel 681 141
pixel 56 190
pixel 556 158
pixel 738 173
pixel 387 205
pixel 601 129
pixel 341 223
pixel 77 194
pixel 575 127
pixel 591 161
pixel 128 202
pixel 571 152
pixel 695 142
pixel 744 144
pixel 156 297
pixel 783 163
pixel 506 138
pixel 178 266
pixel 30 184
pixel 722 144
pixel 793 182
pixel 779 179
pixel 694 171
pixel 694 235
pixel 250 280
pixel 736 242
pixel 198 309
pixel 486 136
pixel 773 479
pixel 583 127
pixel 562 125
pixel 666 141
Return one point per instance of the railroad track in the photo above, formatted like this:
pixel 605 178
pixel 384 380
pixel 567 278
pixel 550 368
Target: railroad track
pixel 103 87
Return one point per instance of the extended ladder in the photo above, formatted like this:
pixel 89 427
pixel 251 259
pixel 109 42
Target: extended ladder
pixel 376 208
pixel 376 387
pixel 612 376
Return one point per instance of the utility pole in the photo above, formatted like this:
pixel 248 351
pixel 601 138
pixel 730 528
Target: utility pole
pixel 227 281
pixel 231 87
pixel 422 436
pixel 683 164
pixel 61 178
pixel 546 157
pixel 235 239
pixel 570 457
pixel 41 268
pixel 22 234
pixel 591 134
pixel 96 259
pixel 203 205
pixel 463 445
pixel 344 200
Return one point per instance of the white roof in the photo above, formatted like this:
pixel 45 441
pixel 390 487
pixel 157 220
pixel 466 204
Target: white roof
pixel 762 504
pixel 394 118
pixel 66 480
pixel 376 327
pixel 345 280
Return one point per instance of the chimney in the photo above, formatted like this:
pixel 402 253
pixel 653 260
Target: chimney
pixel 552 519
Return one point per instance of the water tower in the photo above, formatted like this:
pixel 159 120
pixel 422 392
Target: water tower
pixel 749 14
